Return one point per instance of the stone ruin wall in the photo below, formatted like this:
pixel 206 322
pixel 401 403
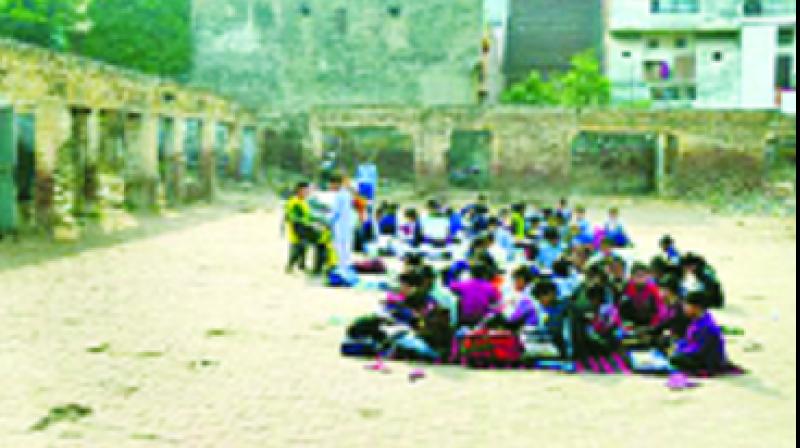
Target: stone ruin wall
pixel 534 142
pixel 51 85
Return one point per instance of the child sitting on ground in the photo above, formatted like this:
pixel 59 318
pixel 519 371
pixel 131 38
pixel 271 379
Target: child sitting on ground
pixel 555 313
pixel 584 232
pixel 519 308
pixel 411 231
pixel 387 219
pixel 603 324
pixel 675 321
pixel 703 348
pixel 476 296
pixel 642 304
pixel 615 229
pixel 550 250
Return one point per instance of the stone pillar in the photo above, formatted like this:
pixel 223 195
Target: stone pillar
pixel 661 164
pixel 234 149
pixel 178 159
pixel 207 158
pixel 53 130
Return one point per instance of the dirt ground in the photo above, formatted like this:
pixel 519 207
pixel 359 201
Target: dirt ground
pixel 200 340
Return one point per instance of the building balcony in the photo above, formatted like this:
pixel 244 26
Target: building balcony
pixel 696 15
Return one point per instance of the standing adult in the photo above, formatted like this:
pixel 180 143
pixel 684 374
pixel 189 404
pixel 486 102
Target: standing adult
pixel 343 224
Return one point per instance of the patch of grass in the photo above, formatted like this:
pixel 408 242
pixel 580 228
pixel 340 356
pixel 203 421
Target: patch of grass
pixel 145 437
pixel 99 348
pixel 150 354
pixel 67 413
pixel 218 332
pixel 202 364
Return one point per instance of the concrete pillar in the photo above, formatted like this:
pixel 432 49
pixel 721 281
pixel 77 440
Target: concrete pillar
pixel 759 53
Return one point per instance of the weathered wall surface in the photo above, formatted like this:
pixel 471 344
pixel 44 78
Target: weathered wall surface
pixel 536 143
pixel 544 35
pixel 290 55
pixel 65 93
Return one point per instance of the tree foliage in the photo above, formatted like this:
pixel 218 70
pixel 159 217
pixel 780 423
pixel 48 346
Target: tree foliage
pixel 152 36
pixel 584 85
pixel 47 23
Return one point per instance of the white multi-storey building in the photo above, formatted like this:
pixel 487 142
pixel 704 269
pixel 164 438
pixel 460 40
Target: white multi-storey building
pixel 703 53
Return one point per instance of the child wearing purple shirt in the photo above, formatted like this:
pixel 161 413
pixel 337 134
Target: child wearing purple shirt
pixel 703 347
pixel 477 297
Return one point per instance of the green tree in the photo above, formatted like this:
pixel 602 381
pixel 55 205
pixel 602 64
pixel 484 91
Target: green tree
pixel 534 90
pixel 48 23
pixel 152 36
pixel 583 85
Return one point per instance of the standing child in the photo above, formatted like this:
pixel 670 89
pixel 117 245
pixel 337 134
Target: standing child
pixel 301 229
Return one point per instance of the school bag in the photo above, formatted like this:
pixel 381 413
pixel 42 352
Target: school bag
pixel 360 347
pixel 375 266
pixel 490 347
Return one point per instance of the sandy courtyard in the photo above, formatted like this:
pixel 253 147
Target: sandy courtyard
pixel 200 340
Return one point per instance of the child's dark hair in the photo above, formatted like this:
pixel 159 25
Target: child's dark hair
pixel 413 279
pixel 301 186
pixel 428 273
pixel 692 259
pixel 411 213
pixel 413 259
pixel 480 271
pixel 639 268
pixel 561 268
pixel 523 273
pixel 551 234
pixel 545 288
pixel 671 283
pixel 518 208
pixel 596 293
pixel 666 241
pixel 699 298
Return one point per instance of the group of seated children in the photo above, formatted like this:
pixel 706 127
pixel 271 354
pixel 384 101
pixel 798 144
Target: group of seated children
pixel 563 288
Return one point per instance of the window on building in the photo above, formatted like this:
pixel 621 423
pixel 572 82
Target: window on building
pixel 653 43
pixel 786 36
pixel 340 20
pixel 627 54
pixel 685 67
pixel 395 11
pixel 784 76
pixel 717 56
pixel 681 42
pixel 304 10
pixel 655 71
pixel 674 6
pixel 753 7
pixel 691 93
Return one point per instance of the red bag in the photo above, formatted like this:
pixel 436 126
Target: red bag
pixel 375 266
pixel 491 347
